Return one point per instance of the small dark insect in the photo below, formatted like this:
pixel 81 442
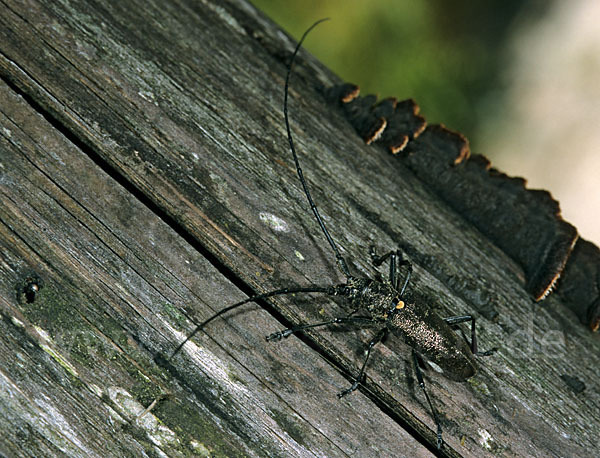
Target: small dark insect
pixel 574 383
pixel 381 303
pixel 29 288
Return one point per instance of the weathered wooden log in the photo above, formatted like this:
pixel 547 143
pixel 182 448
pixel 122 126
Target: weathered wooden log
pixel 145 183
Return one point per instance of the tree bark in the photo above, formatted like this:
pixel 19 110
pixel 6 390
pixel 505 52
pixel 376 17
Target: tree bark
pixel 146 183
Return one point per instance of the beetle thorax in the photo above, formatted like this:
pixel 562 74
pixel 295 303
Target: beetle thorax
pixel 377 297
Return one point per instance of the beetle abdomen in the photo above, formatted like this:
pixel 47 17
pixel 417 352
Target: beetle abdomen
pixel 434 339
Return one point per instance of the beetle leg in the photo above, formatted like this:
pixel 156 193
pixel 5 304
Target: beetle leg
pixel 454 320
pixel 433 411
pixel 284 333
pixel 396 261
pixel 361 374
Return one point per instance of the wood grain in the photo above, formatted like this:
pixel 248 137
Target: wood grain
pixel 144 161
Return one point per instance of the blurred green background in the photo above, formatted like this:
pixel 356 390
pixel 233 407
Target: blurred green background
pixel 445 55
pixel 520 78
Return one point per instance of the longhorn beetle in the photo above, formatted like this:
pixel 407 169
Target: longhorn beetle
pixel 381 301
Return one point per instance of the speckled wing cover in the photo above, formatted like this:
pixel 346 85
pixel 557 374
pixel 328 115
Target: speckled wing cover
pixel 526 224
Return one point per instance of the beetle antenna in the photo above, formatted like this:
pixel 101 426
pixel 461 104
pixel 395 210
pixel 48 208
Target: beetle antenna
pixel 279 292
pixel 341 262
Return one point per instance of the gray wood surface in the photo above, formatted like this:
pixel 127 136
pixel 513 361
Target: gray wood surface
pixel 145 178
